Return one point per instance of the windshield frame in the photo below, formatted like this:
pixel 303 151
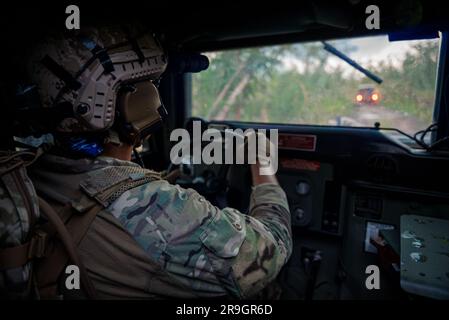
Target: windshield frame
pixel 441 112
pixel 438 96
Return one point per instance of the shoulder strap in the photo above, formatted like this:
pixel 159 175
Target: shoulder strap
pixel 50 269
pixel 102 187
pixel 18 256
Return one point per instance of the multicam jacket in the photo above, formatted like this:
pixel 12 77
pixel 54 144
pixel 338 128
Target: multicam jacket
pixel 155 239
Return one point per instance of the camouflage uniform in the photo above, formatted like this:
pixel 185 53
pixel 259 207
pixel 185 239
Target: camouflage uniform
pixel 205 250
pixel 18 213
pixel 151 239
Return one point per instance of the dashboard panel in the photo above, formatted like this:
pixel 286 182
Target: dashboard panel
pixel 341 184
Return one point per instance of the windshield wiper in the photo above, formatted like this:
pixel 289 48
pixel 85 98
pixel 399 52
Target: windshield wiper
pixel 351 62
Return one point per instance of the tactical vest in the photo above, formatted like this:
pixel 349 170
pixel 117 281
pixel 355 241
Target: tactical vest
pixel 80 200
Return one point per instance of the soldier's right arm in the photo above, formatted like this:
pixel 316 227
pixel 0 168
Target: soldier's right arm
pixel 267 242
pixel 213 251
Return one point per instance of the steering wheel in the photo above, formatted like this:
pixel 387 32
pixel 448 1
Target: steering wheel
pixel 236 178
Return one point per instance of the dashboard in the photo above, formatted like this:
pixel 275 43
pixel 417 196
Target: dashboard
pixel 343 185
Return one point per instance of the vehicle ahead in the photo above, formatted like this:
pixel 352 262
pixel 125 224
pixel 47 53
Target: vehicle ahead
pixel 367 94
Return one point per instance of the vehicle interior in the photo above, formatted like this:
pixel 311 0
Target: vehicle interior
pixel 352 189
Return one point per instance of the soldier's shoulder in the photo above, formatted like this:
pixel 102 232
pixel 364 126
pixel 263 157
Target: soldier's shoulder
pixel 162 202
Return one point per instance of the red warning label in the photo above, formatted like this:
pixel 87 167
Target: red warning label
pixel 302 142
pixel 300 164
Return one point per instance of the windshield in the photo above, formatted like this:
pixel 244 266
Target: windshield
pixel 306 84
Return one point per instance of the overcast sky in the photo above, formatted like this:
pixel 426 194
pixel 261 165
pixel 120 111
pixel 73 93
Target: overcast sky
pixel 368 49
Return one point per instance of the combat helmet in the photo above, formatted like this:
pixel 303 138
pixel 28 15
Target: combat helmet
pixel 96 77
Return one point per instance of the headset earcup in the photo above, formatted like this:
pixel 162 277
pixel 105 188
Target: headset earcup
pixel 139 111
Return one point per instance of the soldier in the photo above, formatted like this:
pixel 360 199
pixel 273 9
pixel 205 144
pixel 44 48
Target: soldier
pixel 147 238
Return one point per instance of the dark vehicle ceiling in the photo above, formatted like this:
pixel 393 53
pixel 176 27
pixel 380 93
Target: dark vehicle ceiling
pixel 211 26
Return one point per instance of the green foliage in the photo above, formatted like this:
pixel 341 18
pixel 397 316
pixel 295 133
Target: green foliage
pixel 410 88
pixel 254 85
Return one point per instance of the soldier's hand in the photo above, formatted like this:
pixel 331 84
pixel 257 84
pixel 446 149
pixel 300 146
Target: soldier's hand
pixel 258 178
pixel 263 171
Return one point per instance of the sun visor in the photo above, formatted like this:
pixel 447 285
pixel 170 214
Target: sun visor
pixel 413 34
